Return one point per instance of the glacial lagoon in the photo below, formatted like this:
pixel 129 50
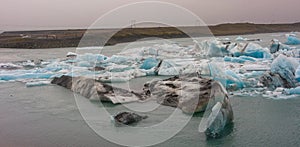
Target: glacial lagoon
pixel 48 115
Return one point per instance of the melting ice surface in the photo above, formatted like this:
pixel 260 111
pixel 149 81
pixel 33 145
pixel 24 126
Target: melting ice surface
pixel 237 65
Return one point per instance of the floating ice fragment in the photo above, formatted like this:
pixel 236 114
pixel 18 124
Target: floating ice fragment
pixel 292 91
pixel 217 49
pixel 229 79
pixel 9 77
pixel 149 63
pixel 292 40
pixel 276 46
pixel 9 66
pixel 71 54
pixel 240 38
pixel 285 67
pixel 37 83
pixel 282 73
pixel 252 50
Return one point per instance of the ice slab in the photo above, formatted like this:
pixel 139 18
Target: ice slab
pixel 285 67
pixel 292 91
pixel 292 40
pixel 37 83
pixel 229 79
pixel 251 50
pixel 240 38
pixel 149 63
pixel 9 66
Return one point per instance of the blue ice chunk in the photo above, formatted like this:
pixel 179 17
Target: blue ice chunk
pixel 228 78
pixel 292 40
pixel 235 79
pixel 253 53
pixel 254 50
pixel 10 77
pixel 149 63
pixel 276 46
pixel 216 120
pixel 292 91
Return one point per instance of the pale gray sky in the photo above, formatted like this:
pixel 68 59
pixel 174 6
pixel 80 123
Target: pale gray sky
pixel 43 14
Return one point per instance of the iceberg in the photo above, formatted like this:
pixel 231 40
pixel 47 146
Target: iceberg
pixel 218 114
pixel 217 49
pixel 251 50
pixel 149 63
pixel 229 79
pixel 282 73
pixel 292 91
pixel 292 40
pixel 285 67
pixel 10 77
pixel 276 46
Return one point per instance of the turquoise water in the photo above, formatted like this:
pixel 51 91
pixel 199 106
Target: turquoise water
pixel 51 118
pixel 258 121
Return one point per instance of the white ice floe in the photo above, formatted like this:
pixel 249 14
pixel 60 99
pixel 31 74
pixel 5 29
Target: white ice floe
pixel 240 38
pixel 9 66
pixel 37 83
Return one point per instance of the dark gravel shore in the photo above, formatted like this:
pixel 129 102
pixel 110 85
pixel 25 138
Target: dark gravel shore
pixel 101 37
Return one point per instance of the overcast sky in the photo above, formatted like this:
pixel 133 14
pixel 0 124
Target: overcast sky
pixel 39 14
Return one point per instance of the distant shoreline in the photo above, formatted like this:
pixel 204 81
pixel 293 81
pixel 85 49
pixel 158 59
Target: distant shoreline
pixel 98 37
